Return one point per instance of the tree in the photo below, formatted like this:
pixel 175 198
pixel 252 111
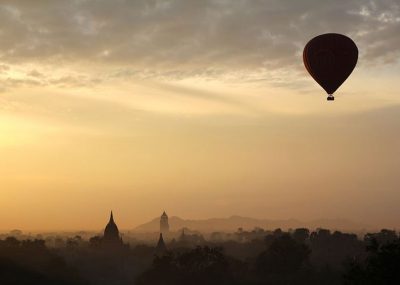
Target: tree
pixel 202 265
pixel 381 267
pixel 301 234
pixel 283 262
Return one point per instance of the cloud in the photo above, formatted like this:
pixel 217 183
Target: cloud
pixel 186 38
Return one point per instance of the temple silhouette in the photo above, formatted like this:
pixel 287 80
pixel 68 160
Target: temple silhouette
pixel 161 248
pixel 111 235
pixel 164 226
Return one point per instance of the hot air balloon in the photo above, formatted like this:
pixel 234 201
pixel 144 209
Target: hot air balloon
pixel 330 59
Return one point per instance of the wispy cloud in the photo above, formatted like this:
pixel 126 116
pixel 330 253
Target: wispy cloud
pixel 183 38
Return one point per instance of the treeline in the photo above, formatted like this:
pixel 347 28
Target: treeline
pixel 278 257
pixel 296 257
pixel 31 262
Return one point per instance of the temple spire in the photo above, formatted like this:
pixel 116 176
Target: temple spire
pixel 111 217
pixel 161 248
pixel 111 232
pixel 164 226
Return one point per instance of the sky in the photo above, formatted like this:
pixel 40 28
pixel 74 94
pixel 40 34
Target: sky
pixel 200 108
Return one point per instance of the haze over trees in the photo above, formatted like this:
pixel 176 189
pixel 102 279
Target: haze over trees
pixel 298 256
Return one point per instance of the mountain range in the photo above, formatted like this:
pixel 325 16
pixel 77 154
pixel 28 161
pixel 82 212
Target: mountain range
pixel 234 222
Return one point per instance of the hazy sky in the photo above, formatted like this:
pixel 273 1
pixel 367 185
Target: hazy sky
pixel 200 108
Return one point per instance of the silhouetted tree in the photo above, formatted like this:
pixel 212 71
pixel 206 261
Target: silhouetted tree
pixel 202 265
pixel 283 262
pixel 381 267
pixel 30 262
pixel 301 234
pixel 95 241
pixel 330 250
pixel 383 237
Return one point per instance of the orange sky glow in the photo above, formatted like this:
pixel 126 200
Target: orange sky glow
pixel 202 109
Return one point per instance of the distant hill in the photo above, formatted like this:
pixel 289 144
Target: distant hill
pixel 234 222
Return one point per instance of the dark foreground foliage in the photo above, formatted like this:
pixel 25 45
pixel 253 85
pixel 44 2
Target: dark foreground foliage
pixel 30 262
pixel 202 265
pixel 256 258
pixel 382 266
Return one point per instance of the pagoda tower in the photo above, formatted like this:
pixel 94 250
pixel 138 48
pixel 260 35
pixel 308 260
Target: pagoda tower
pixel 164 226
pixel 161 248
pixel 111 232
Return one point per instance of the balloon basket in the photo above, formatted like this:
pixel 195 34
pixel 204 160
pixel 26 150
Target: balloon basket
pixel 330 97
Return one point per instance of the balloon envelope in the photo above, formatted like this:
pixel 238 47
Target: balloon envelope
pixel 330 59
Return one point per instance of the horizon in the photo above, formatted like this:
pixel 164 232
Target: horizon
pixel 362 226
